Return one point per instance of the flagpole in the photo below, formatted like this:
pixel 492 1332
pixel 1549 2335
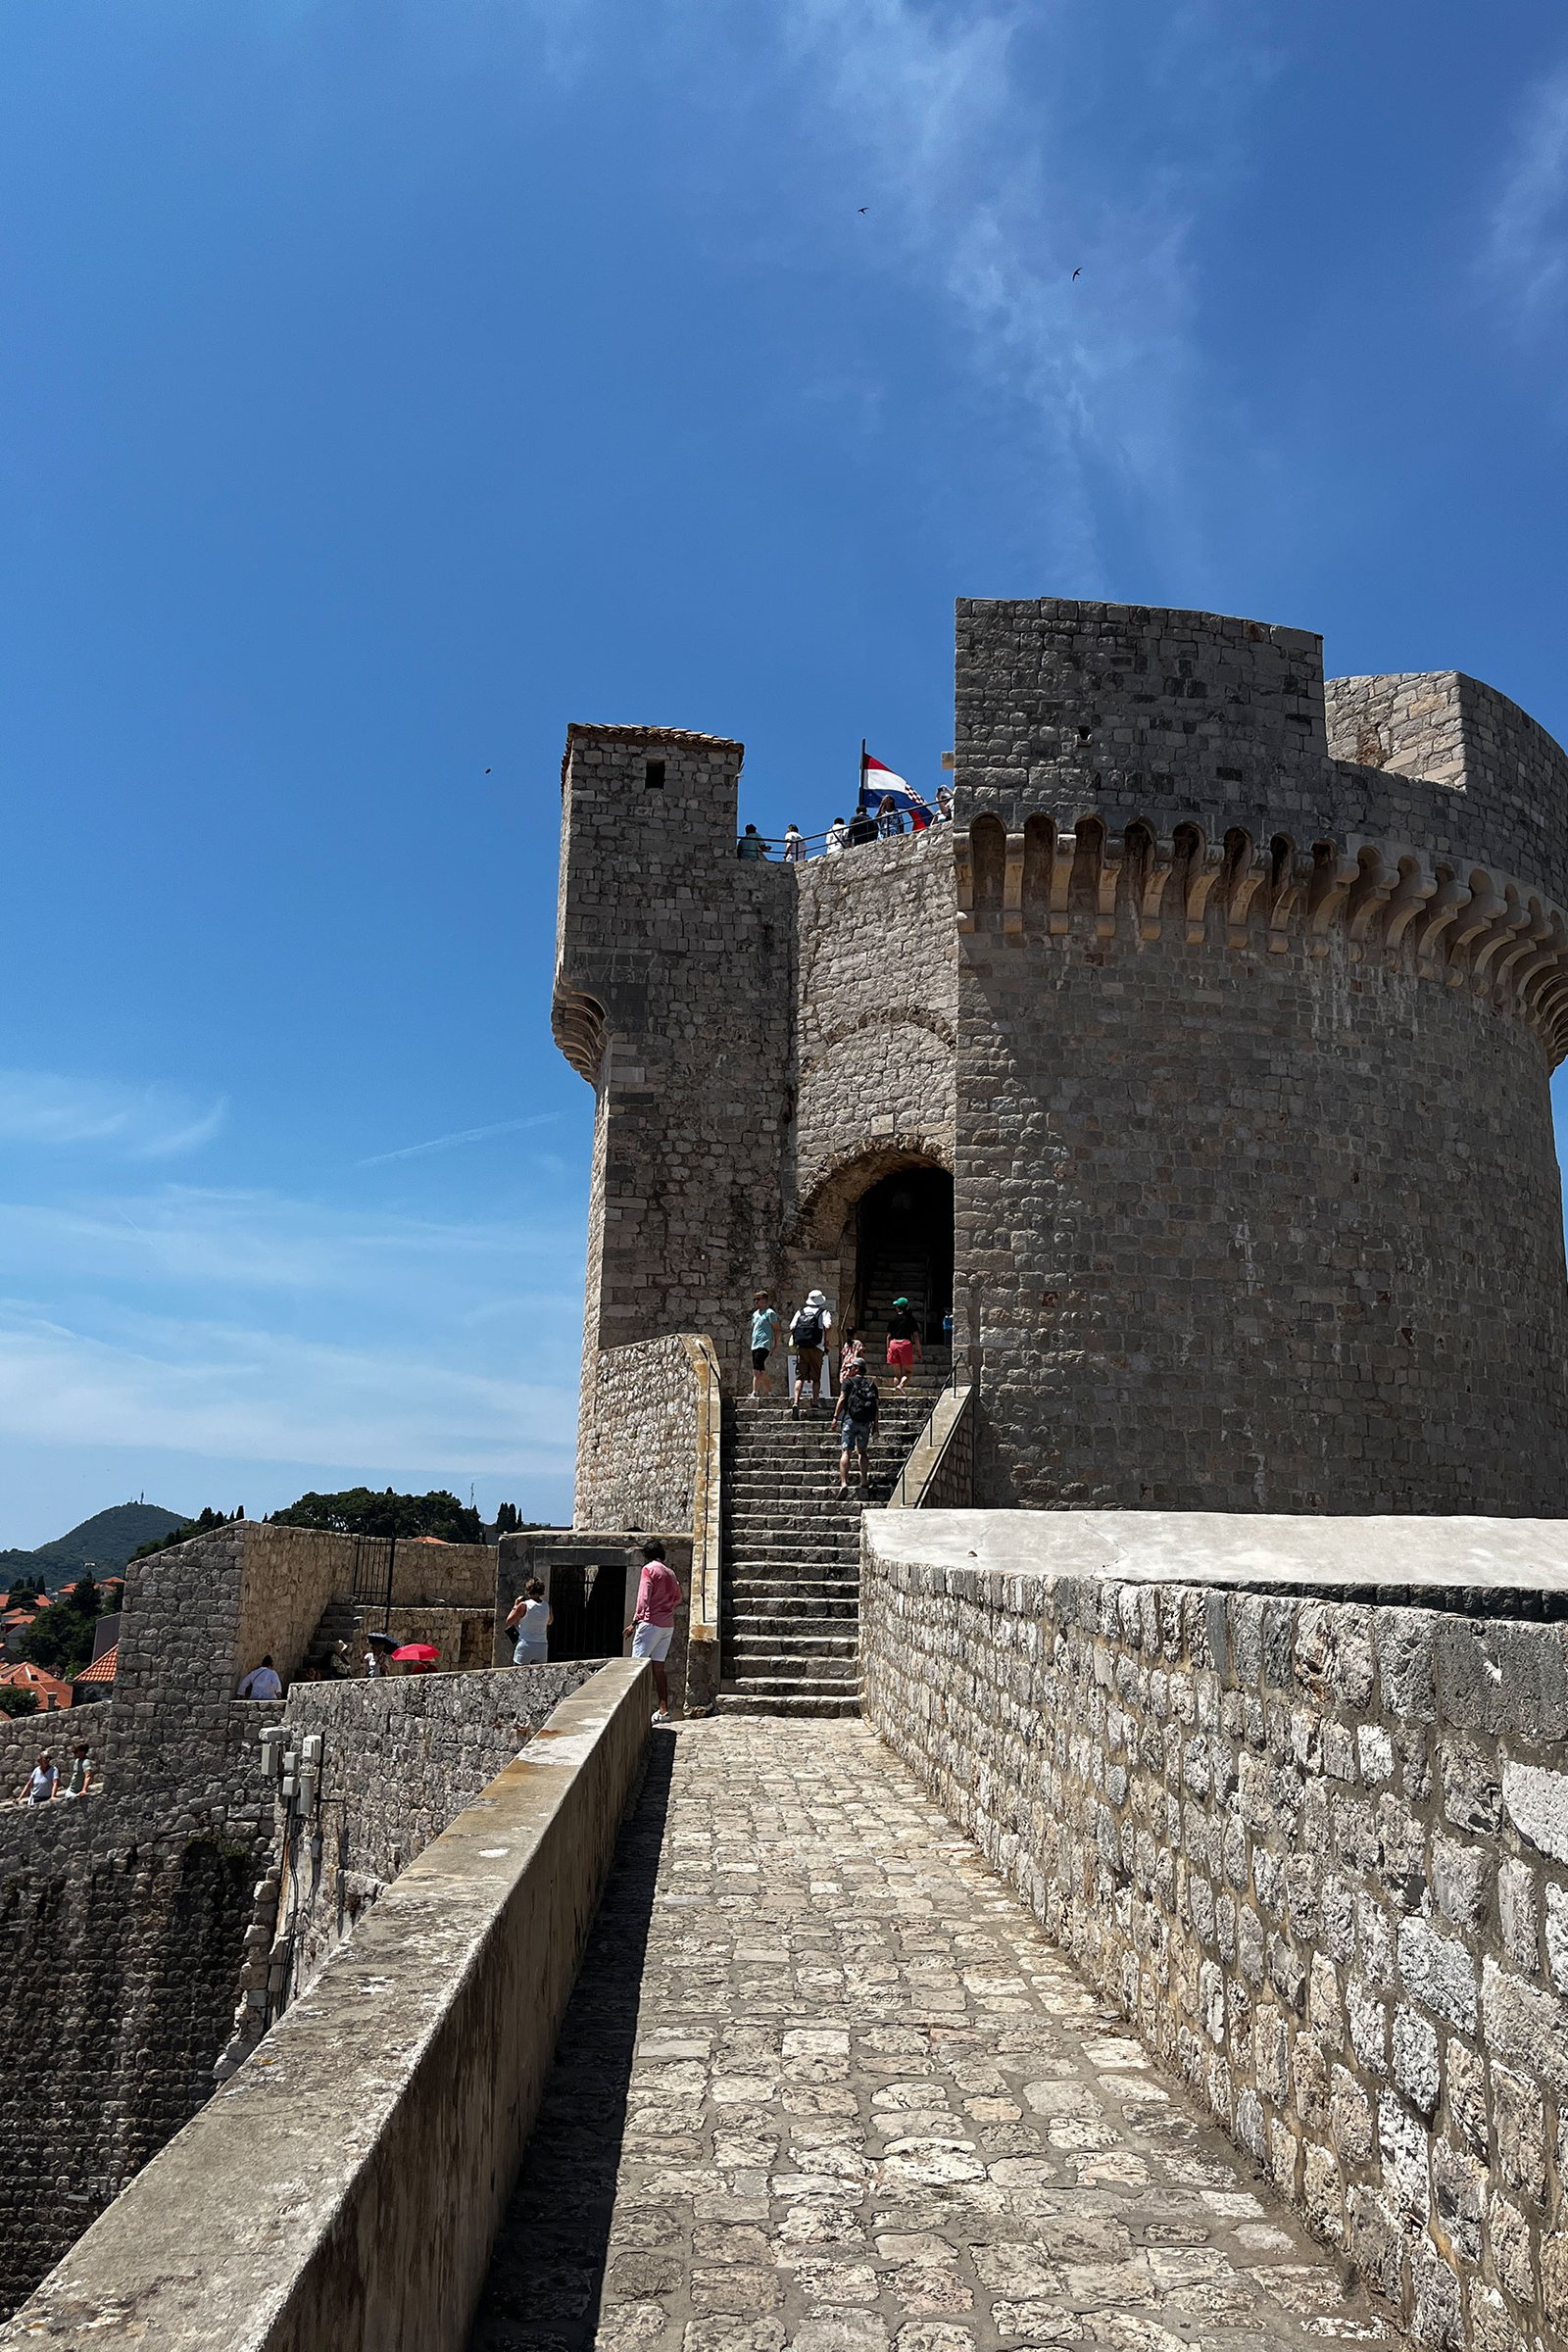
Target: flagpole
pixel 860 796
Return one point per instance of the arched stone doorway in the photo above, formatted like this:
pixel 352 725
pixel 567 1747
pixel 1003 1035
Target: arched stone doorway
pixel 902 1230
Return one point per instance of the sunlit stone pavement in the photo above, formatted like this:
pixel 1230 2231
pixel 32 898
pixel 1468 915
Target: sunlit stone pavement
pixel 824 2083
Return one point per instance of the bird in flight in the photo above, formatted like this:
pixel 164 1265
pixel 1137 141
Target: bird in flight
pixel 1077 273
pixel 865 208
pixel 487 771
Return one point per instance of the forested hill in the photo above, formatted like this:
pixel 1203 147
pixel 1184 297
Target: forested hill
pixel 108 1539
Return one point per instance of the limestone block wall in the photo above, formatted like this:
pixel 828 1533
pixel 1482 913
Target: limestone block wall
pixel 348 2189
pixel 875 1011
pixel 1241 1235
pixel 1253 1047
pixel 400 1759
pixel 464 1636
pixel 642 1456
pixel 1318 1850
pixel 672 998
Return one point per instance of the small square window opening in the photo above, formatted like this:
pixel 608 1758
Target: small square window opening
pixel 654 777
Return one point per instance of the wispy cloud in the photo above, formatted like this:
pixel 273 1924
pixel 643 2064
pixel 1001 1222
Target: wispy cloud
pixel 995 156
pixel 464 1135
pixel 146 1122
pixel 239 1241
pixel 255 1396
pixel 1526 254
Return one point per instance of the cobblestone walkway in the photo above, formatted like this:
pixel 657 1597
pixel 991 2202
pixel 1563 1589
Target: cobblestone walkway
pixel 824 2083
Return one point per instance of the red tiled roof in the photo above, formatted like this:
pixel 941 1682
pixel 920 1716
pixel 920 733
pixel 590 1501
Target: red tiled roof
pixel 102 1670
pixel 25 1675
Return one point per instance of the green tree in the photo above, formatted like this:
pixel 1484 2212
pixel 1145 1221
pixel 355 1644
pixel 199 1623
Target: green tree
pixel 362 1511
pixel 59 1638
pixel 202 1525
pixel 18 1702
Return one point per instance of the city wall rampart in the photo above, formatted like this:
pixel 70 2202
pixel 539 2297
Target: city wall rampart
pixel 345 2189
pixel 1294 1797
pixel 128 1920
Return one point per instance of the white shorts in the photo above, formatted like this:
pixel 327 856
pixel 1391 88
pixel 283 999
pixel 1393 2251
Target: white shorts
pixel 652 1641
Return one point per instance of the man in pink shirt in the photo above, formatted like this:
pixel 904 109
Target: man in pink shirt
pixel 653 1621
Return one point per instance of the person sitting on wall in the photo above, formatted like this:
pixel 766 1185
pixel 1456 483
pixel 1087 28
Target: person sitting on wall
pixel 42 1782
pixel 263 1681
pixel 750 843
pixel 80 1780
pixel 531 1617
pixel 653 1624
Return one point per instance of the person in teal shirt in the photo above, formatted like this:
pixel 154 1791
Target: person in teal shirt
pixel 766 1332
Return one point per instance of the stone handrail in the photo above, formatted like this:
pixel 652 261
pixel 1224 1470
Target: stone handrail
pixel 940 1470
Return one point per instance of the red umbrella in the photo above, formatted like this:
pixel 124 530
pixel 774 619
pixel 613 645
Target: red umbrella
pixel 417 1653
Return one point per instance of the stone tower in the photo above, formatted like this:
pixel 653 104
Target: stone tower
pixel 1229 1006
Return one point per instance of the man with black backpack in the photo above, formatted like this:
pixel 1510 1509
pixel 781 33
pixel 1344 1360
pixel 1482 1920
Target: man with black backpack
pixel 860 1407
pixel 808 1336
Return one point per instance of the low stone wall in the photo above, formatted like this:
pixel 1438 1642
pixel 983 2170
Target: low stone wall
pixel 400 1759
pixel 386 2115
pixel 1316 1847
pixel 640 1460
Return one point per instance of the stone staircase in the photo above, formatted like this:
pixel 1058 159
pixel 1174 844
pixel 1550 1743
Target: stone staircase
pixel 792 1549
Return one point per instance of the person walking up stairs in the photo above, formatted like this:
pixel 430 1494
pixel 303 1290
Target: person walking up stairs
pixel 792 1551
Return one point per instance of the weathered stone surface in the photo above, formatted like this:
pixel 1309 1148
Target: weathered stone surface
pixel 1000 2165
pixel 1385 2038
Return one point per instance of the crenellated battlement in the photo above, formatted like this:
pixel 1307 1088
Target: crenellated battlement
pixel 1385 900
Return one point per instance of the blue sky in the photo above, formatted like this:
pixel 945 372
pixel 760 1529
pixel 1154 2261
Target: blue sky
pixel 386 385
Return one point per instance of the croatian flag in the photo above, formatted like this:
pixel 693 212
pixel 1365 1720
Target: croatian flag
pixel 879 783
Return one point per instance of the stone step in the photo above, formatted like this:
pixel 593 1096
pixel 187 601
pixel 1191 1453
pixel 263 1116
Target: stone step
pixel 785 1649
pixel 807 1684
pixel 752 1624
pixel 805 1706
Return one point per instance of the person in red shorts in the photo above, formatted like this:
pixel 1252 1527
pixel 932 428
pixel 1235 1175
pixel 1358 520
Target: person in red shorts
pixel 904 1343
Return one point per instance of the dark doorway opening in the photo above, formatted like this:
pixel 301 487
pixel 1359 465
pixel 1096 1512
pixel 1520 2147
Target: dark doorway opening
pixel 587 1605
pixel 903 1250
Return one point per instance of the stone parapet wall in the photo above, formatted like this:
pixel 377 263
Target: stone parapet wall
pixel 344 2193
pixel 464 1636
pixel 1144 713
pixel 1318 1850
pixel 400 1759
pixel 1464 736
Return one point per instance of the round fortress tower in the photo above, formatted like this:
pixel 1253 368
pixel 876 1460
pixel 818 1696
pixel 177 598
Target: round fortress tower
pixel 1260 991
